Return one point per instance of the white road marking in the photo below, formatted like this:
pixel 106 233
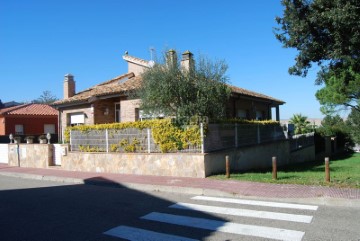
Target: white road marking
pixel 244 212
pixel 227 227
pixel 257 203
pixel 137 234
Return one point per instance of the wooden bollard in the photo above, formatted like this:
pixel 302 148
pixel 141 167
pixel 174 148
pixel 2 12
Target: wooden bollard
pixel 327 169
pixel 274 168
pixel 227 166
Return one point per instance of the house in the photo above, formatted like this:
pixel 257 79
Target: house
pixel 111 101
pixel 28 119
pixel 8 104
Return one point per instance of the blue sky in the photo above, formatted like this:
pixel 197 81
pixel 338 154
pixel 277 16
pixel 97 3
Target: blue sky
pixel 41 41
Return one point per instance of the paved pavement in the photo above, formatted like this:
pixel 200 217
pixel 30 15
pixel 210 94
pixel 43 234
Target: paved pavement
pixel 198 186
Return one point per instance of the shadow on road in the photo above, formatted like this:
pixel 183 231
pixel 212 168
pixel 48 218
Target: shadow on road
pixel 84 212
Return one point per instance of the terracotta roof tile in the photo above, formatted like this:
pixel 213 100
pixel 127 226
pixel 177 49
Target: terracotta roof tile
pixel 117 85
pixel 30 109
pixel 129 81
pixel 242 91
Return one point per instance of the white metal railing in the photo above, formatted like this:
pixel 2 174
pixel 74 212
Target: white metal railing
pixel 216 137
pixel 124 140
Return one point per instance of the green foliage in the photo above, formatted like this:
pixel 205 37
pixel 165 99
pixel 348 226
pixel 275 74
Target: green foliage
pixel 302 125
pixel 331 125
pixel 255 122
pixel 46 98
pixel 345 172
pixel 87 148
pixel 353 123
pixel 171 90
pixel 172 137
pixel 326 33
pixel 342 87
pixel 169 136
pixel 336 126
pixel 167 133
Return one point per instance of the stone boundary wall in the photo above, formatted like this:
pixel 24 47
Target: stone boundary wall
pixel 165 164
pixel 31 155
pixel 160 164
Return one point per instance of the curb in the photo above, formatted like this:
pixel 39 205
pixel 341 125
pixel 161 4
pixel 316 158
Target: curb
pixel 324 201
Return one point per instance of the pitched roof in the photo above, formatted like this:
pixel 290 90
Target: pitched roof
pixel 30 109
pixel 250 93
pixel 127 82
pixel 117 85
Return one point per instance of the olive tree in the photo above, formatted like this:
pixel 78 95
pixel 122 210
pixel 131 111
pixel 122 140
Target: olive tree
pixel 199 90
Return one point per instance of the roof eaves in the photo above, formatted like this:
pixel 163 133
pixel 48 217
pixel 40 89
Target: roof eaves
pixel 69 104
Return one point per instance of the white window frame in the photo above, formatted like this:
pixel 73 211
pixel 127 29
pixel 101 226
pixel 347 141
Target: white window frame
pixel 77 118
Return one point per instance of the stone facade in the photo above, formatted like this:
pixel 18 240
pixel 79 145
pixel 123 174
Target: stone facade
pixel 31 155
pixel 180 165
pixel 129 110
pixel 159 164
pixel 66 114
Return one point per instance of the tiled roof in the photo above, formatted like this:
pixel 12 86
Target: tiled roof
pixel 250 93
pixel 117 85
pixel 129 81
pixel 30 109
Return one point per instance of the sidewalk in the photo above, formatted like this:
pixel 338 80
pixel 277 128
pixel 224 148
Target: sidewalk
pixel 198 186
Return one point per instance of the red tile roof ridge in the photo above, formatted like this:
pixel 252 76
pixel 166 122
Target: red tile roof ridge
pixel 12 108
pixel 30 109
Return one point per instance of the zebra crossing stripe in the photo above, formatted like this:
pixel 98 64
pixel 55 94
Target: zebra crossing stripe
pixel 257 203
pixel 244 212
pixel 137 234
pixel 227 227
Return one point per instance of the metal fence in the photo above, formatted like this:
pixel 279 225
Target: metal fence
pixel 224 136
pixel 215 137
pixel 123 140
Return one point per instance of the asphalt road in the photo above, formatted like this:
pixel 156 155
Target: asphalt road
pixel 32 210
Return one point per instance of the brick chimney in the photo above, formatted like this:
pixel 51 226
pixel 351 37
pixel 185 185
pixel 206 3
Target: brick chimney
pixel 69 86
pixel 187 61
